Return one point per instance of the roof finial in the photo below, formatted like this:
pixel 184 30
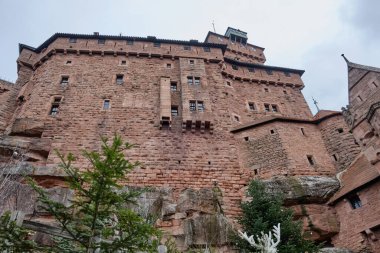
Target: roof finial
pixel 316 103
pixel 345 58
pixel 213 26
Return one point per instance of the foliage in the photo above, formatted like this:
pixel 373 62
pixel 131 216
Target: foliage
pixel 13 238
pixel 97 219
pixel 266 211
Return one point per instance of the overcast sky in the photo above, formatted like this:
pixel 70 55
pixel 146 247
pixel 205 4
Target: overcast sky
pixel 309 35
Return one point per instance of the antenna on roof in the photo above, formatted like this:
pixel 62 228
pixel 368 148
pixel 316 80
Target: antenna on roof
pixel 316 103
pixel 213 26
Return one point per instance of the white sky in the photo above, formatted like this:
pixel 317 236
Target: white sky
pixel 303 34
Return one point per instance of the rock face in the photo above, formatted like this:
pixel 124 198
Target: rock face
pixel 304 189
pixel 335 250
pixel 194 218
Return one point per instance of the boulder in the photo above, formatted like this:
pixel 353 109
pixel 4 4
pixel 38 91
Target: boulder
pixel 28 127
pixel 304 189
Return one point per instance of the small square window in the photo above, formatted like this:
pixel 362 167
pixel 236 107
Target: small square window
pixel 251 106
pixel 206 49
pixel 73 40
pixel 157 44
pixel 246 138
pixel 129 42
pixel 286 73
pixel 267 107
pixel 168 66
pixel 101 41
pixel 340 130
pixel 235 67
pixel 251 70
pixel 285 92
pixel 200 106
pixel 228 83
pixel 123 62
pixel 271 131
pixel 191 62
pixel 68 62
pixel 310 159
pixel 269 71
pixel 274 108
pixel 193 106
pixel 106 104
pixel 266 89
pixel 119 79
pixel 173 86
pixel 355 201
pixel 187 48
pixel 65 80
pixel 174 110
pixel 190 80
pixel 197 80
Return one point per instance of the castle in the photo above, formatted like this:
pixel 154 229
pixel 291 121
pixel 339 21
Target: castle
pixel 202 114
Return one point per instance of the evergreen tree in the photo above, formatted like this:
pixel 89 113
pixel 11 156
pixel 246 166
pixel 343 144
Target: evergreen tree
pixel 97 219
pixel 262 213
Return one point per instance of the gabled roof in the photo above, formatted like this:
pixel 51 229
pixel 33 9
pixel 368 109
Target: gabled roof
pixel 262 66
pixel 117 37
pixel 359 66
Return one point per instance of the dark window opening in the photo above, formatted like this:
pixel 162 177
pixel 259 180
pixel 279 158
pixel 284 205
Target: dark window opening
pixel 129 42
pixel 340 130
pixel 73 40
pixel 101 41
pixel 251 70
pixel 228 83
pixel 193 106
pixel 235 67
pixel 200 106
pixel 251 106
pixel 197 80
pixel 168 66
pixel 266 89
pixel 269 72
pixel 55 106
pixel 206 49
pixel 119 79
pixel 246 138
pixel 255 171
pixel 174 110
pixel 302 131
pixel 106 104
pixel 287 73
pixel 157 44
pixel 310 158
pixel 173 86
pixel 354 201
pixel 335 157
pixel 65 80
pixel 190 80
pixel 68 62
pixel 267 107
pixel 186 48
pixel 191 62
pixel 274 108
pixel 209 162
pixel 237 118
pixel 271 131
pixel 123 62
pixel 285 92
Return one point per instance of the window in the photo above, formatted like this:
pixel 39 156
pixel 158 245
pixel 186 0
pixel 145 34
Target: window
pixel 286 73
pixel 237 118
pixel 246 138
pixel 267 107
pixel 206 49
pixel 173 86
pixel 72 40
pixel 65 80
pixel 274 108
pixel 354 201
pixel 340 130
pixel 186 48
pixel 119 79
pixel 191 62
pixel 68 62
pixel 335 157
pixel 310 159
pixel 168 66
pixel 174 110
pixel 193 106
pixel 197 80
pixel 285 92
pixel 235 67
pixel 190 80
pixel 271 131
pixel 106 104
pixel 269 71
pixel 101 41
pixel 123 62
pixel 266 89
pixel 129 42
pixel 55 106
pixel 251 70
pixel 228 83
pixel 251 106
pixel 302 131
pixel 200 106
pixel 157 44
